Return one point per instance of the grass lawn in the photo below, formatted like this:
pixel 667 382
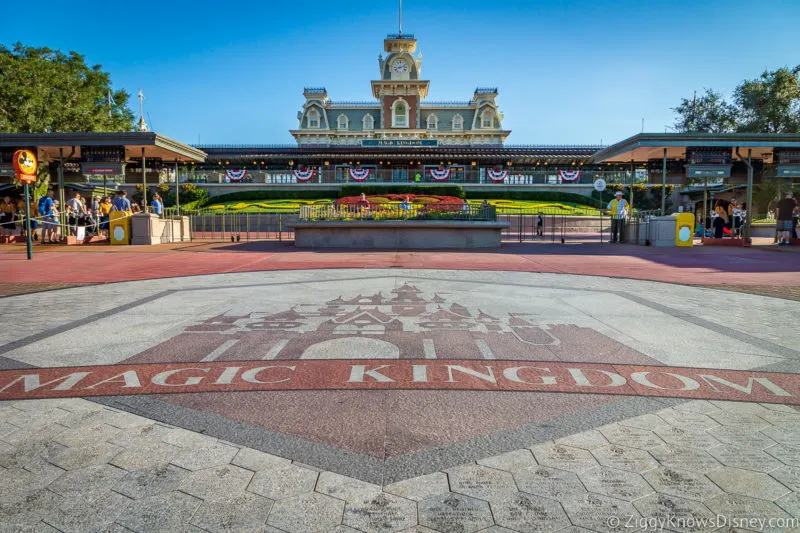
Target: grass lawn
pixel 503 206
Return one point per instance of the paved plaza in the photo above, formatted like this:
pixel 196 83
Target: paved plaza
pixel 399 400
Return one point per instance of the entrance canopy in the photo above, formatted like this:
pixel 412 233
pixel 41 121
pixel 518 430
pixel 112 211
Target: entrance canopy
pixel 49 145
pixel 648 146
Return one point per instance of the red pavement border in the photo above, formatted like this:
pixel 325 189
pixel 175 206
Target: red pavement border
pixel 692 266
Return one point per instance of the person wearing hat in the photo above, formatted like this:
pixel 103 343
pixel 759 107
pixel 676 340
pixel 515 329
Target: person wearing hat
pixel 618 209
pixel 786 209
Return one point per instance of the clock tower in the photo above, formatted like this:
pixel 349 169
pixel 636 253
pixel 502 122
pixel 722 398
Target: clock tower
pixel 400 90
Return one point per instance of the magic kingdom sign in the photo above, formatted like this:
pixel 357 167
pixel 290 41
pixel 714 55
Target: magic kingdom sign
pixel 404 143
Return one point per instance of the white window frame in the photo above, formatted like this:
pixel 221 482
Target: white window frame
pixel 342 122
pixel 313 119
pixel 487 119
pixel 405 116
pixel 368 122
pixel 460 120
pixel 435 122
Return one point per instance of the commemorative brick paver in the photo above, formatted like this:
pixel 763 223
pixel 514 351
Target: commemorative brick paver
pixel 455 513
pixel 170 497
pixel 564 457
pixel 685 516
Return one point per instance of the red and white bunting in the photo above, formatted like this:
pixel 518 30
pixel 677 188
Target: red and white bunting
pixel 303 175
pixel 359 174
pixel 235 175
pixel 440 174
pixel 497 176
pixel 569 175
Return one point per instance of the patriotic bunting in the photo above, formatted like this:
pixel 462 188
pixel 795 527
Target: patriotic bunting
pixel 440 174
pixel 358 173
pixel 569 175
pixel 235 175
pixel 497 176
pixel 303 175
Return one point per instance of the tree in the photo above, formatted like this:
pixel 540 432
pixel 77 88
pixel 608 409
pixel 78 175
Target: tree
pixel 709 113
pixel 770 103
pixel 44 90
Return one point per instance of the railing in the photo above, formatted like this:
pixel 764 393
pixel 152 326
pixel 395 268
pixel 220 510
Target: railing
pixel 458 175
pixel 238 227
pixel 435 211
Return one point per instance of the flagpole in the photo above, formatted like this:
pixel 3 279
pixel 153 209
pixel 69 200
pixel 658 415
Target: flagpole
pixel 401 18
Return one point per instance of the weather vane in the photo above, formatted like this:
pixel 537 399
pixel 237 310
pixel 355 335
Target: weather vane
pixel 142 124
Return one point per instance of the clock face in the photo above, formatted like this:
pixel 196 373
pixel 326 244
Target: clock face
pixel 399 66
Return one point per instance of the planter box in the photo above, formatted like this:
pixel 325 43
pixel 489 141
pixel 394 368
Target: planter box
pixel 399 234
pixel 151 229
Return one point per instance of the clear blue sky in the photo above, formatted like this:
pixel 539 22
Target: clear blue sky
pixel 568 72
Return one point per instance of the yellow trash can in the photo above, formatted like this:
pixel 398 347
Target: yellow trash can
pixel 119 227
pixel 684 229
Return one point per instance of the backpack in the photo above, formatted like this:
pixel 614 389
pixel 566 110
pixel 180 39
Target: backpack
pixel 42 203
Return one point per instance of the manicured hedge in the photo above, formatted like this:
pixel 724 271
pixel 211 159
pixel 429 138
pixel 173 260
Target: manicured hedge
pixel 299 194
pixel 539 196
pixel 442 190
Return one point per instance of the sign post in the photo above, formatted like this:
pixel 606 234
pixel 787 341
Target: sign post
pixel 25 166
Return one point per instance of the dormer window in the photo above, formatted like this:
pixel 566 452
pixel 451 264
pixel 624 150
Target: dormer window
pixel 487 119
pixel 342 122
pixel 400 114
pixel 433 122
pixel 369 123
pixel 458 123
pixel 313 119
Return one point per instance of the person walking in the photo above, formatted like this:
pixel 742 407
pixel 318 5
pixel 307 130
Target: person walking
pixel 47 211
pixel 720 219
pixel 618 209
pixel 786 209
pixel 157 204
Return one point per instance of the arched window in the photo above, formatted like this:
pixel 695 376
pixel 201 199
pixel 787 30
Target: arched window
pixel 369 123
pixel 458 122
pixel 400 114
pixel 342 122
pixel 433 122
pixel 313 119
pixel 487 119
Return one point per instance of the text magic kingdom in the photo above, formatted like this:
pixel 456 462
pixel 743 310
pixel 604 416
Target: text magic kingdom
pixel 410 374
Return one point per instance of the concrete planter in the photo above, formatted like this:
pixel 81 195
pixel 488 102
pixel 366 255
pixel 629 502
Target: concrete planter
pixel 399 234
pixel 149 229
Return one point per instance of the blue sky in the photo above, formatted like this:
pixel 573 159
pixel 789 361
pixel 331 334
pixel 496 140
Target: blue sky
pixel 573 72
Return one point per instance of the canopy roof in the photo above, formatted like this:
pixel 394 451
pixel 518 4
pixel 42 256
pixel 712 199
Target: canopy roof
pixel 155 146
pixel 646 146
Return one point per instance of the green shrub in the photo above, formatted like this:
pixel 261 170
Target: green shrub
pixel 539 196
pixel 299 194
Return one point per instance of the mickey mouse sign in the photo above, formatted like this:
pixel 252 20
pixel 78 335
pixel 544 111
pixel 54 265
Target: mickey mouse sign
pixel 25 166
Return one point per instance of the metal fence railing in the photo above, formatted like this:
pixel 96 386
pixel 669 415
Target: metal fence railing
pixel 435 211
pixel 238 227
pixel 555 226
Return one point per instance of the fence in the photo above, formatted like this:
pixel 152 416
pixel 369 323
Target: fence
pixel 242 226
pixel 418 174
pixel 554 226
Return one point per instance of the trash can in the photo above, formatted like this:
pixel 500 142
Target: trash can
pixel 684 229
pixel 119 227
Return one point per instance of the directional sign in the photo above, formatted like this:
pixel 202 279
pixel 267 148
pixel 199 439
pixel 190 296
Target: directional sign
pixel 25 165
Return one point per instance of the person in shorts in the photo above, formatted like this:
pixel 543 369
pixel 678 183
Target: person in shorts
pixel 6 217
pixel 783 226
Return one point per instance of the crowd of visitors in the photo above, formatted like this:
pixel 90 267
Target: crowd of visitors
pixel 81 216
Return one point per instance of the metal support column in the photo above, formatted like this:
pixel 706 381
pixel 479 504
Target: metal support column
pixel 28 236
pixel 750 211
pixel 62 211
pixel 177 191
pixel 144 183
pixel 664 185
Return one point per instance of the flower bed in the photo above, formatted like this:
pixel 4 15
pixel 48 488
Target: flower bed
pixel 425 199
